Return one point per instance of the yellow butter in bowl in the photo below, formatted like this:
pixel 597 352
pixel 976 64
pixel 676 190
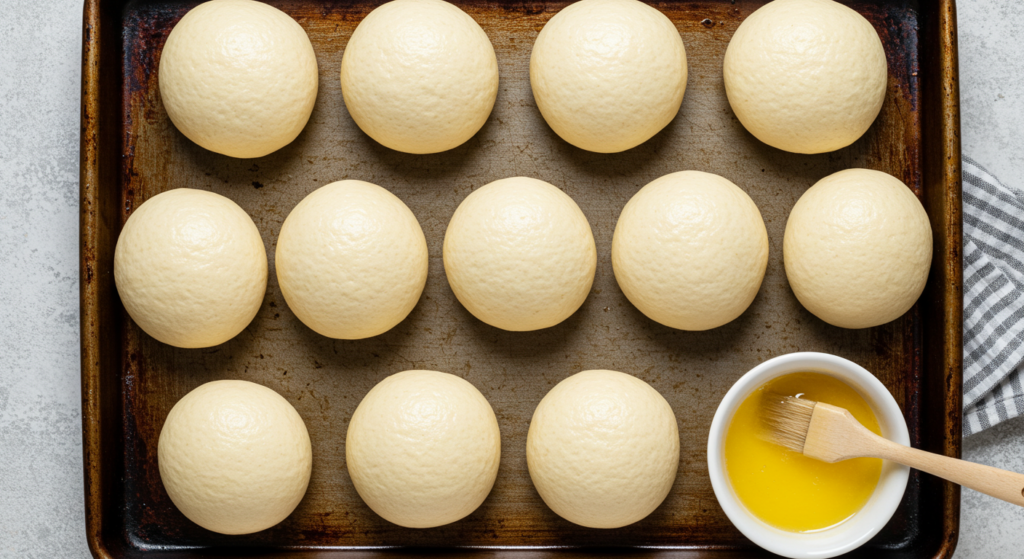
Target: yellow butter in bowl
pixel 784 488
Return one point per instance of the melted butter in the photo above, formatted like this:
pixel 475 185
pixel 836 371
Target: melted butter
pixel 784 488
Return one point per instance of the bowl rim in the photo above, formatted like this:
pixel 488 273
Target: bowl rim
pixel 866 522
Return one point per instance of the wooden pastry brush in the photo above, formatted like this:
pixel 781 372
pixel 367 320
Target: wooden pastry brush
pixel 830 434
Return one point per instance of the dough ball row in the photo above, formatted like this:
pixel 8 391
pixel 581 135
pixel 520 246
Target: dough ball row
pixel 422 450
pixel 240 78
pixel 689 250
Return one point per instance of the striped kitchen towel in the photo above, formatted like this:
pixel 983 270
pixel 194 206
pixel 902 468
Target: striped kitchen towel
pixel 993 299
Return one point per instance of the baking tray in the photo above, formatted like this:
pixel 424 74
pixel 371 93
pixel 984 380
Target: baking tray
pixel 130 152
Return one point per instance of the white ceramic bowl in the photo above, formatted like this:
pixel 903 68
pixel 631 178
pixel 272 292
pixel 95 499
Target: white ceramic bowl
pixel 857 530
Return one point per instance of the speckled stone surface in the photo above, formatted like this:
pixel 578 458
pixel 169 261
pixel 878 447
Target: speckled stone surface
pixel 41 503
pixel 41 510
pixel 992 127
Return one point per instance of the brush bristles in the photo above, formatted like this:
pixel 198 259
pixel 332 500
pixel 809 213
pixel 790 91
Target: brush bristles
pixel 785 420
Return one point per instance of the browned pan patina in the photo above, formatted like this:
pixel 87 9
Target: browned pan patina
pixel 131 151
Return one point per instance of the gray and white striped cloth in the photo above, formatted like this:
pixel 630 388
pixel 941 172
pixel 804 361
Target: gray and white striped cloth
pixel 993 299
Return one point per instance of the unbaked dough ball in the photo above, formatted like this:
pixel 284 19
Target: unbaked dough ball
pixel 603 449
pixel 519 254
pixel 238 77
pixel 190 268
pixel 857 249
pixel 234 457
pixel 690 250
pixel 419 76
pixel 608 74
pixel 423 449
pixel 807 76
pixel 351 260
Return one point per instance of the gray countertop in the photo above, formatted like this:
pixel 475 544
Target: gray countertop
pixel 41 495
pixel 992 132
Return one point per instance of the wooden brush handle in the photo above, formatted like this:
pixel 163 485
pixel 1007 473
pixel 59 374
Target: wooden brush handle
pixel 1001 484
pixel 834 434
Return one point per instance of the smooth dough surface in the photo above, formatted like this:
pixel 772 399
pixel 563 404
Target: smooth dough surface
pixel 238 77
pixel 234 456
pixel 419 76
pixel 423 449
pixel 858 248
pixel 191 268
pixel 690 250
pixel 519 254
pixel 603 449
pixel 806 76
pixel 351 260
pixel 607 75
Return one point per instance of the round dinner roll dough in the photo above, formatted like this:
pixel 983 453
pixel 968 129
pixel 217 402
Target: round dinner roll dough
pixel 190 268
pixel 419 76
pixel 603 449
pixel 607 75
pixel 351 260
pixel 857 249
pixel 238 77
pixel 806 76
pixel 519 254
pixel 423 449
pixel 234 457
pixel 690 250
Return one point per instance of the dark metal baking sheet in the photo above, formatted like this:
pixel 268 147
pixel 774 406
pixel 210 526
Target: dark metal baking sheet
pixel 131 151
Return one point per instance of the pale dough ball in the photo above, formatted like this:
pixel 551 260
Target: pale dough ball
pixel 603 449
pixel 234 457
pixel 519 254
pixel 690 250
pixel 607 75
pixel 190 268
pixel 423 449
pixel 419 76
pixel 806 76
pixel 351 260
pixel 857 249
pixel 238 77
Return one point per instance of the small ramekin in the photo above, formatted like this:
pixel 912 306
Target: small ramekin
pixel 862 526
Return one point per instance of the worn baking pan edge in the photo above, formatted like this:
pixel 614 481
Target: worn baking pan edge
pixel 100 329
pixel 100 310
pixel 91 284
pixel 88 180
pixel 943 162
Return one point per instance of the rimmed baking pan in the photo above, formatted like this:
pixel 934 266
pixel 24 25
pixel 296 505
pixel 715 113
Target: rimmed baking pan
pixel 131 151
